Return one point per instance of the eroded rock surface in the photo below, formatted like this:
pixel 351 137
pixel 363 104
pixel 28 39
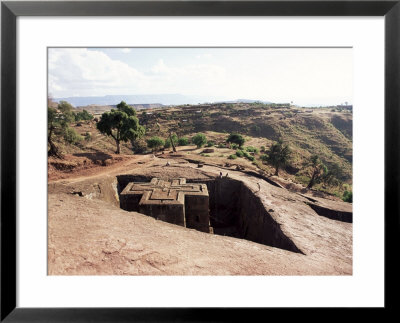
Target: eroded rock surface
pixel 90 235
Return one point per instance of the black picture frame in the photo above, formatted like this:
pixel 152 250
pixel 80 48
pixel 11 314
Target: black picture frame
pixel 10 10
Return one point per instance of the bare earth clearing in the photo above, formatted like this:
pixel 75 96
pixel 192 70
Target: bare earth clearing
pixel 88 234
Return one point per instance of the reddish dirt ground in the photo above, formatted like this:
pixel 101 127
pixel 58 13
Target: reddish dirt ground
pixel 88 234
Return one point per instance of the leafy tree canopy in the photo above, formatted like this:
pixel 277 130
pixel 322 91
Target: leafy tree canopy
pixel 121 125
pixel 183 141
pixel 278 155
pixel 235 138
pixel 155 143
pixel 122 106
pixel 319 171
pixel 199 140
pixel 84 115
pixel 65 106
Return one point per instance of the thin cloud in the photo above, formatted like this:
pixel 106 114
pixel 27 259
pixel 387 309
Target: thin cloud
pixel 279 75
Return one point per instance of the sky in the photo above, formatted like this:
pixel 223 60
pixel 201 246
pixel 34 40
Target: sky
pixel 306 76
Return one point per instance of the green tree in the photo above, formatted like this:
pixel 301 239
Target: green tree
pixel 53 124
pixel 278 155
pixel 199 140
pixel 121 125
pixel 58 120
pixel 183 141
pixel 333 176
pixel 318 170
pixel 84 115
pixel 155 143
pixel 122 106
pixel 67 112
pixel 235 138
pixel 64 107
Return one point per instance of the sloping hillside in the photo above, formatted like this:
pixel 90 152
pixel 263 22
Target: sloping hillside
pixel 324 132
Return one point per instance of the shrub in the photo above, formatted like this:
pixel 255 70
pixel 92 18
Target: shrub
pixel 84 115
pixel 71 136
pixel 88 136
pixel 262 149
pixel 167 143
pixel 303 179
pixel 252 149
pixel 232 157
pixel 183 141
pixel 155 143
pixel 251 158
pixel 239 153
pixel 199 140
pixel 234 146
pixel 348 196
pixel 210 143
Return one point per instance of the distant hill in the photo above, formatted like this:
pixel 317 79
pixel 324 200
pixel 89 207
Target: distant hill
pixel 153 99
pixel 162 99
pixel 244 101
pixel 99 109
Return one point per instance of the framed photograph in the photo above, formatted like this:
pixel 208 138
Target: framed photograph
pixel 197 157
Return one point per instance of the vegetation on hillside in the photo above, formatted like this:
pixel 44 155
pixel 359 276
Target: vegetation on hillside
pixel 58 124
pixel 247 134
pixel 278 156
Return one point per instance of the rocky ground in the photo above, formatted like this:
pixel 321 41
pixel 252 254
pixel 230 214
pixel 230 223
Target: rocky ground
pixel 88 234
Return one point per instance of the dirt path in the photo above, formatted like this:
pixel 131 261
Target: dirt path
pixel 92 170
